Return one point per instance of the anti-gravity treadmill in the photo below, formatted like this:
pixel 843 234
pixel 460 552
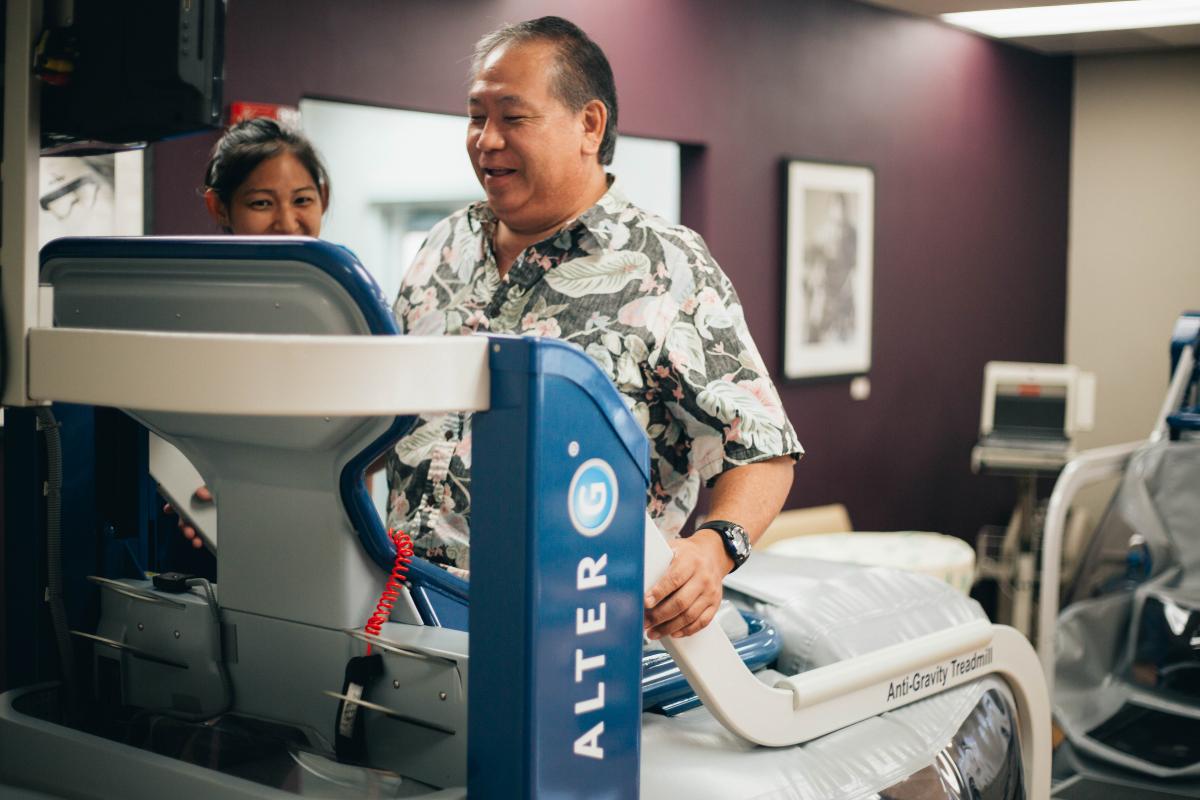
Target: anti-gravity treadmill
pixel 274 366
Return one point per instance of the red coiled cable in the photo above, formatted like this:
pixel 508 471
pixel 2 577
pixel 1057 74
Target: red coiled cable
pixel 396 580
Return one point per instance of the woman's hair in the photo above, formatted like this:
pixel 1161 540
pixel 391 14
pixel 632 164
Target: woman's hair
pixel 251 142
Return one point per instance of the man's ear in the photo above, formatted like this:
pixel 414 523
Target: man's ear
pixel 595 120
pixel 216 209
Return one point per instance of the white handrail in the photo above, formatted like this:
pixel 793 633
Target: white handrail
pixel 1085 469
pixel 834 680
pixel 259 375
pixel 806 706
pixel 1179 383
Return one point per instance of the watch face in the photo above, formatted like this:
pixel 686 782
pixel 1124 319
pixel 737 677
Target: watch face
pixel 740 542
pixel 735 539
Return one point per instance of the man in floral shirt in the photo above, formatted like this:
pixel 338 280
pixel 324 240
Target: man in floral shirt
pixel 557 251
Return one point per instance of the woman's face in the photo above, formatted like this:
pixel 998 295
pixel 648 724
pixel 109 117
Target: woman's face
pixel 280 197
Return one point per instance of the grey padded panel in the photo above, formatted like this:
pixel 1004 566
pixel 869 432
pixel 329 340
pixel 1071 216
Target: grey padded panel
pixel 253 296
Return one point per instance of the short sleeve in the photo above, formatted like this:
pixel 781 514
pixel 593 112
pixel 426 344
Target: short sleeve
pixel 722 394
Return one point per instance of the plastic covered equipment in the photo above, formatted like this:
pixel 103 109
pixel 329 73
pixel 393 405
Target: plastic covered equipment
pixel 1128 646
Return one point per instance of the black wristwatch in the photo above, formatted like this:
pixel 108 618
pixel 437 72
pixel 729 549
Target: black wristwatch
pixel 734 537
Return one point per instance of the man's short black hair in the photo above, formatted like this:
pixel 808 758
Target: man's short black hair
pixel 583 71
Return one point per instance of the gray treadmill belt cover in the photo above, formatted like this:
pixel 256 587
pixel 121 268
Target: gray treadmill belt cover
pixel 1101 667
pixel 827 612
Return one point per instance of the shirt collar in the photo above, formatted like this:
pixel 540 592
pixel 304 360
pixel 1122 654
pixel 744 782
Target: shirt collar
pixel 597 220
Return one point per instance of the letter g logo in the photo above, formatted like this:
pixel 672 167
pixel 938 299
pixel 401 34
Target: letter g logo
pixel 592 497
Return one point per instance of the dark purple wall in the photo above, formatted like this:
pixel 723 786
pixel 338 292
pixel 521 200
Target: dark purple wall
pixel 969 141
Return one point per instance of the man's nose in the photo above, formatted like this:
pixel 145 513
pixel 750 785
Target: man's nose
pixel 489 137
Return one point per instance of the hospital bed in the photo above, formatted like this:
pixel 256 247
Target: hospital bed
pixel 276 372
pixel 1121 652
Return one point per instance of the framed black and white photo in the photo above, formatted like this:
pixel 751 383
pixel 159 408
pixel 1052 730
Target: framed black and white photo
pixel 829 238
pixel 96 195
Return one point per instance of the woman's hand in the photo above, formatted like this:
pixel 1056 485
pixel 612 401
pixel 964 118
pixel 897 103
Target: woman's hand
pixel 201 495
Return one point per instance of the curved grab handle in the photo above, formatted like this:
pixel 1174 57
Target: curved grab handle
pixel 809 705
pixel 1087 468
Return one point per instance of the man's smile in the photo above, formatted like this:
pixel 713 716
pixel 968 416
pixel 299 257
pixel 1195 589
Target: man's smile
pixel 496 179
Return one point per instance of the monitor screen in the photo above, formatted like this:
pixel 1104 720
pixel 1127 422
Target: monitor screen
pixel 1025 414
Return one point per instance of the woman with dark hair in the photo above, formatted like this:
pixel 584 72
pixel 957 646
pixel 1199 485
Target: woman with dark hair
pixel 266 179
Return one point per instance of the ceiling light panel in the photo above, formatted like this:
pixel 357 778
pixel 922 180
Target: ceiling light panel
pixel 1078 18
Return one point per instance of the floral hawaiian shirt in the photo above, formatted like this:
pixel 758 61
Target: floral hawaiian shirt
pixel 646 300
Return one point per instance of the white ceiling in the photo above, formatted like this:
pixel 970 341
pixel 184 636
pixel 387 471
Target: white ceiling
pixel 1100 42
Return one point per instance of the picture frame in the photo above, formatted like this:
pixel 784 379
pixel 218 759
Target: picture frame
pixel 828 280
pixel 93 195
